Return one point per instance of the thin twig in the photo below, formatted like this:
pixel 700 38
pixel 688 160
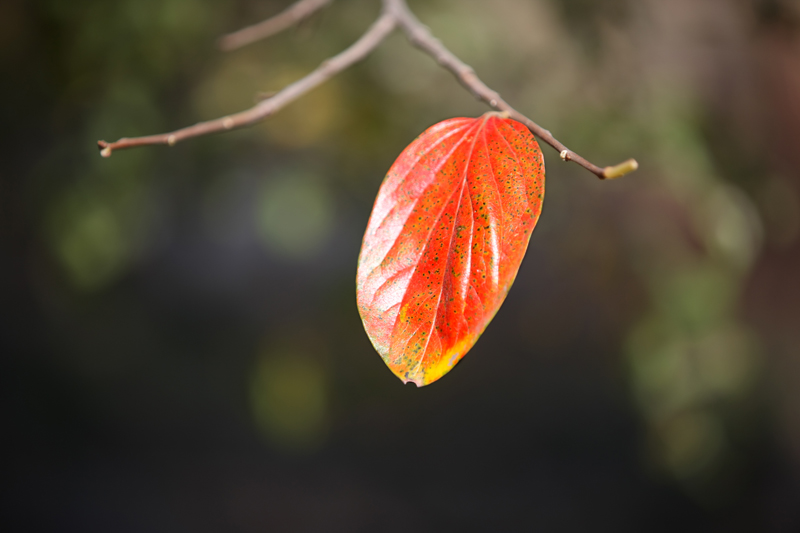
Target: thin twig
pixel 395 14
pixel 300 10
pixel 329 68
pixel 419 36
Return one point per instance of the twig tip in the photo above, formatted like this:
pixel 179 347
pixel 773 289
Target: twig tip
pixel 105 148
pixel 620 170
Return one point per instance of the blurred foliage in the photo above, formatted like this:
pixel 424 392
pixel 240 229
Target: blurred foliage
pixel 151 296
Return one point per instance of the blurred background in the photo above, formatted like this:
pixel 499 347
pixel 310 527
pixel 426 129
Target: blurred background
pixel 181 349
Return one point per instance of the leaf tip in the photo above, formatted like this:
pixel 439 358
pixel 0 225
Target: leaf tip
pixel 406 378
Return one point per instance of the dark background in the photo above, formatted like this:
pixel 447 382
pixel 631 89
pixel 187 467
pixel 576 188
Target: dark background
pixel 179 341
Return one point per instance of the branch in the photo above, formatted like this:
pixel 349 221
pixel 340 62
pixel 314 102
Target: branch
pixel 381 28
pixel 419 36
pixel 395 14
pixel 300 10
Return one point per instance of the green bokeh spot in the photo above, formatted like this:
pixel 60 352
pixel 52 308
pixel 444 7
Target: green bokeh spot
pixel 295 215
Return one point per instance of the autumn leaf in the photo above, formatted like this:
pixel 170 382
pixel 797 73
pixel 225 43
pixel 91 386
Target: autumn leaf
pixel 445 240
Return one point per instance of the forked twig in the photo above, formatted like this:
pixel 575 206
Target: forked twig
pixel 287 18
pixel 395 14
pixel 329 68
pixel 419 35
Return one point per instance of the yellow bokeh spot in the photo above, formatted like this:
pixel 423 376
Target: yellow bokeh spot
pixel 288 396
pixel 309 119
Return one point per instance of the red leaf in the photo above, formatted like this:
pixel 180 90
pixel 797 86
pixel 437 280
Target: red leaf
pixel 445 240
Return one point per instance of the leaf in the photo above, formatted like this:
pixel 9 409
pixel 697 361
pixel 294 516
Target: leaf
pixel 445 240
